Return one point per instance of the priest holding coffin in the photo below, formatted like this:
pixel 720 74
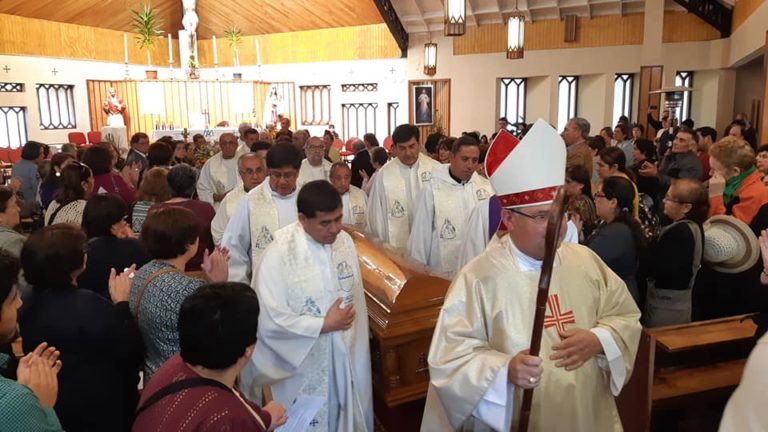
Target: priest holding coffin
pixel 478 359
pixel 219 174
pixel 314 167
pixel 313 327
pixel 265 209
pixel 395 188
pixel 443 206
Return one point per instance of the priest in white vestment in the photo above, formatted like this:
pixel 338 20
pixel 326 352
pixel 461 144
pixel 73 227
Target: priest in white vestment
pixel 395 188
pixel 314 167
pixel 219 174
pixel 265 209
pixel 478 359
pixel 252 170
pixel 353 199
pixel 313 325
pixel 443 206
pixel 745 410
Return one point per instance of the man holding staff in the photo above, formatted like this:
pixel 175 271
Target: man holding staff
pixel 478 360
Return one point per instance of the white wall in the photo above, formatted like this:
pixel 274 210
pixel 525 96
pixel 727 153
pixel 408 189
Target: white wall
pixel 389 74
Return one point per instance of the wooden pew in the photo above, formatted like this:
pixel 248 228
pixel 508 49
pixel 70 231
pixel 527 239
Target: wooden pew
pixel 681 365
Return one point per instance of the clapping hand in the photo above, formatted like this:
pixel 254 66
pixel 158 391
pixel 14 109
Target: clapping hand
pixel 576 347
pixel 216 265
pixel 120 286
pixel 38 370
pixel 130 173
pixel 648 169
pixel 363 174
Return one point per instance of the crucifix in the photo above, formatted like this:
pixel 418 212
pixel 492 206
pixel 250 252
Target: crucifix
pixel 54 71
pixel 207 119
pixel 6 69
pixel 392 71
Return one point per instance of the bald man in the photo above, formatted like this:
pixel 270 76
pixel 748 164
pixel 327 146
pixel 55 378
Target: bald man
pixel 219 174
pixel 252 170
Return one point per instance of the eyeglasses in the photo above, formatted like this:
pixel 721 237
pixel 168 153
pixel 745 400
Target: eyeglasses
pixel 538 218
pixel 316 148
pixel 250 172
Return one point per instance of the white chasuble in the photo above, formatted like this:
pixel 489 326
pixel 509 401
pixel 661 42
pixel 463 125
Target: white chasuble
pixel 440 218
pixel 392 198
pixel 264 222
pixel 487 318
pixel 355 208
pixel 308 173
pixel 297 281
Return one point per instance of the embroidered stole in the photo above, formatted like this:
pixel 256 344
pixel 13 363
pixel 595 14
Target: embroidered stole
pixel 450 218
pixel 308 297
pixel 358 208
pixel 398 213
pixel 263 221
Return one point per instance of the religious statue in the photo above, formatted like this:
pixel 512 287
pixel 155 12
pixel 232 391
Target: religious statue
pixel 190 21
pixel 114 107
pixel 273 106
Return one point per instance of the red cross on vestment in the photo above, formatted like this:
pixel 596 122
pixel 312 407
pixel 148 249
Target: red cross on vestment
pixel 557 319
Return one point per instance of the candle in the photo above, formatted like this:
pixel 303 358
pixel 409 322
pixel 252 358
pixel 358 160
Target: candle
pixel 170 49
pixel 125 47
pixel 258 52
pixel 215 52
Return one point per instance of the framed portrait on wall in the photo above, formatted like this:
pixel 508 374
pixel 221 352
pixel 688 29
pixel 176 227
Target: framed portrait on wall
pixel 423 104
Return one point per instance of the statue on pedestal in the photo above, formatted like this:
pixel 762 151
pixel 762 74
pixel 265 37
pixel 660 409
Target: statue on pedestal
pixel 190 21
pixel 114 107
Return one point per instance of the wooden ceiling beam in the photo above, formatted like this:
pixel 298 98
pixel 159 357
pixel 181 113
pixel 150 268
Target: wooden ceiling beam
pixel 394 25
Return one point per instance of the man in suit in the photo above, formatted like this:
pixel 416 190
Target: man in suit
pixel 362 159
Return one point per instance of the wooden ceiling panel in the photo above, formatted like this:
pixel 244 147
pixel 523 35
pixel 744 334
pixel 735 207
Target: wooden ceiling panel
pixel 251 16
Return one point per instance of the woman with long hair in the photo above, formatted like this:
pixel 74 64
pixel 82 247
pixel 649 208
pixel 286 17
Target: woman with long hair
pixel 619 239
pixel 69 200
pixel 612 162
pixel 52 181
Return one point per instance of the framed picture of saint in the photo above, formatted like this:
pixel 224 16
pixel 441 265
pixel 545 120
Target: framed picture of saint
pixel 423 104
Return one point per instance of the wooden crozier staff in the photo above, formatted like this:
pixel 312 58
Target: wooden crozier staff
pixel 550 249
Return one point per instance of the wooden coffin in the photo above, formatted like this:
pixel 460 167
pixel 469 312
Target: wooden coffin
pixel 403 302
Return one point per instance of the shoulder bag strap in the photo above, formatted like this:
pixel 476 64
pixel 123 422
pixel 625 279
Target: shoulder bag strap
pixel 152 277
pixel 697 248
pixel 178 386
pixel 56 212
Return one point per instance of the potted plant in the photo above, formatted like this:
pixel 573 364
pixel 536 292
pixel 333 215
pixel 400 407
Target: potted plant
pixel 194 69
pixel 147 27
pixel 234 38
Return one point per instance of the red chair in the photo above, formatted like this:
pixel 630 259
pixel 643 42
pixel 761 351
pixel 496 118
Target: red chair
pixel 5 154
pixel 77 138
pixel 348 144
pixel 15 154
pixel 94 137
pixel 388 143
pixel 337 144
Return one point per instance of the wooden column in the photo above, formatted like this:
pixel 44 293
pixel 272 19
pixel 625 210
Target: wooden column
pixel 650 80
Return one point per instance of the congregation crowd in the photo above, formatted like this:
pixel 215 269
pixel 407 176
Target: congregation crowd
pixel 163 289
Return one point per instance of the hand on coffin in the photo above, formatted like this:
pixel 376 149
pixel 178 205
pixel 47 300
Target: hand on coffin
pixel 525 370
pixel 338 318
pixel 277 412
pixel 575 348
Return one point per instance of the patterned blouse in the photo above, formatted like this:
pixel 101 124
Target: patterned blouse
pixel 70 213
pixel 159 311
pixel 139 215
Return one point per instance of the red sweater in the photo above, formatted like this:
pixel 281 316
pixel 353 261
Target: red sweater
pixel 198 409
pixel 112 183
